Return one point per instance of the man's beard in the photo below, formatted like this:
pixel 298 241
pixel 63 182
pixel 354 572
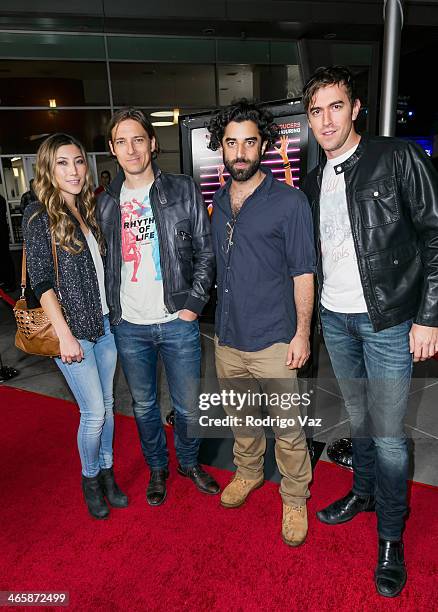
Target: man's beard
pixel 242 174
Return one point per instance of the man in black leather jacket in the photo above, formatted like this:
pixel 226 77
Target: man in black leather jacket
pixel 375 209
pixel 158 272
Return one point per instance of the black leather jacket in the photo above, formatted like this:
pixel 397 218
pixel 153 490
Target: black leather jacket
pixel 184 237
pixel 392 197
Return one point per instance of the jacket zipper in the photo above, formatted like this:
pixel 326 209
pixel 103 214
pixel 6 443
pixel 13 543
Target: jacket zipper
pixel 162 238
pixel 356 248
pixel 119 260
pixel 117 256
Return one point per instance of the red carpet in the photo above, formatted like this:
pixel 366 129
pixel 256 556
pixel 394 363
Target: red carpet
pixel 7 298
pixel 189 554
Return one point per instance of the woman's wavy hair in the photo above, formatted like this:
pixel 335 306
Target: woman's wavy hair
pixel 49 195
pixel 242 110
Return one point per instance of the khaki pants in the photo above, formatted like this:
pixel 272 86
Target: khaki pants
pixel 266 371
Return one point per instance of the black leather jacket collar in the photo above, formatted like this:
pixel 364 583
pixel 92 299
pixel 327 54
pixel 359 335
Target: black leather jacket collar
pixel 115 187
pixel 348 163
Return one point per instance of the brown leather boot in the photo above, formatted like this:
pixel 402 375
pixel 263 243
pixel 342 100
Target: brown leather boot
pixel 236 492
pixel 294 528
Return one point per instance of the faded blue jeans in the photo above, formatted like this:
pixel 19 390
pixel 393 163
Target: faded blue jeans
pixel 374 371
pixel 178 344
pixel 91 382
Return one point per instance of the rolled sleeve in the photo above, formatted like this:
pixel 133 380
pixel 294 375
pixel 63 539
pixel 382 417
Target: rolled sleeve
pixel 39 259
pixel 299 240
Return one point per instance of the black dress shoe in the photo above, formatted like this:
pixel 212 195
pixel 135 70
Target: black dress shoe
pixel 94 499
pixel 390 576
pixel 111 490
pixel 346 508
pixel 156 491
pixel 202 480
pixel 341 452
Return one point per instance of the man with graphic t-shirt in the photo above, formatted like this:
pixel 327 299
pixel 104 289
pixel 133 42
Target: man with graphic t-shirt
pixel 375 209
pixel 158 273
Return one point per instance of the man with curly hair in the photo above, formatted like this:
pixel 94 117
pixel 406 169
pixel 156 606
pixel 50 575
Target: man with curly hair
pixel 262 238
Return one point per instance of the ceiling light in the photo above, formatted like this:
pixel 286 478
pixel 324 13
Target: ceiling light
pixel 38 136
pixel 162 114
pixel 15 159
pixel 162 123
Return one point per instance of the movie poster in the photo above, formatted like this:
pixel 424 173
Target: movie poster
pixel 290 147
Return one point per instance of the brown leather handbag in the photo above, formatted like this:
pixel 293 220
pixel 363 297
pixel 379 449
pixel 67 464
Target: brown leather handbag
pixel 35 333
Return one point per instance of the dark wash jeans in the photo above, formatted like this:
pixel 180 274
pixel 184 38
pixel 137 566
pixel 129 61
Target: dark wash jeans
pixel 374 370
pixel 178 344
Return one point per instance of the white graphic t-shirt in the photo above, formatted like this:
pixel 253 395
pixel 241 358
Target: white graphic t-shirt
pixel 141 291
pixel 342 288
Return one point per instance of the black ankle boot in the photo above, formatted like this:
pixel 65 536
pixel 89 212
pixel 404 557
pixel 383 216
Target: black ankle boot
pixel 156 491
pixel 94 497
pixel 114 495
pixel 390 575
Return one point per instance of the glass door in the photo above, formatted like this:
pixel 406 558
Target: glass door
pixel 16 171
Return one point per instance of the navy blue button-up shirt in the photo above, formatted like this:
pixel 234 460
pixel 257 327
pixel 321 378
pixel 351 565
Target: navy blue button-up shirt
pixel 272 241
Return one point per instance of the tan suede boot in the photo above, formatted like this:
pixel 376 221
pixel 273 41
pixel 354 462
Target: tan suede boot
pixel 294 529
pixel 235 493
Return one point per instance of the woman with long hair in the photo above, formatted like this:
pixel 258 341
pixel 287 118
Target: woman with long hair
pixel 63 212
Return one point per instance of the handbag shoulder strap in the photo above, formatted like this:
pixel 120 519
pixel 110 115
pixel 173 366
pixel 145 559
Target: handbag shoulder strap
pixel 23 265
pixel 23 271
pixel 55 259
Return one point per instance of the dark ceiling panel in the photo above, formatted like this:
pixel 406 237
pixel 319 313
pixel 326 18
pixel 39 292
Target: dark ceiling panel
pixel 54 23
pixel 187 9
pixel 422 12
pixel 49 7
pixel 354 11
pixel 287 19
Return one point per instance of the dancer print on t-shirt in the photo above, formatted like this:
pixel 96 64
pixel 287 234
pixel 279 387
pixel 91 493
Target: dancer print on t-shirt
pixel 141 282
pixel 139 231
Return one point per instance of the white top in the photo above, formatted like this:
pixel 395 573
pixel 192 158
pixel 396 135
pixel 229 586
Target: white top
pixel 342 287
pixel 141 291
pixel 98 264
